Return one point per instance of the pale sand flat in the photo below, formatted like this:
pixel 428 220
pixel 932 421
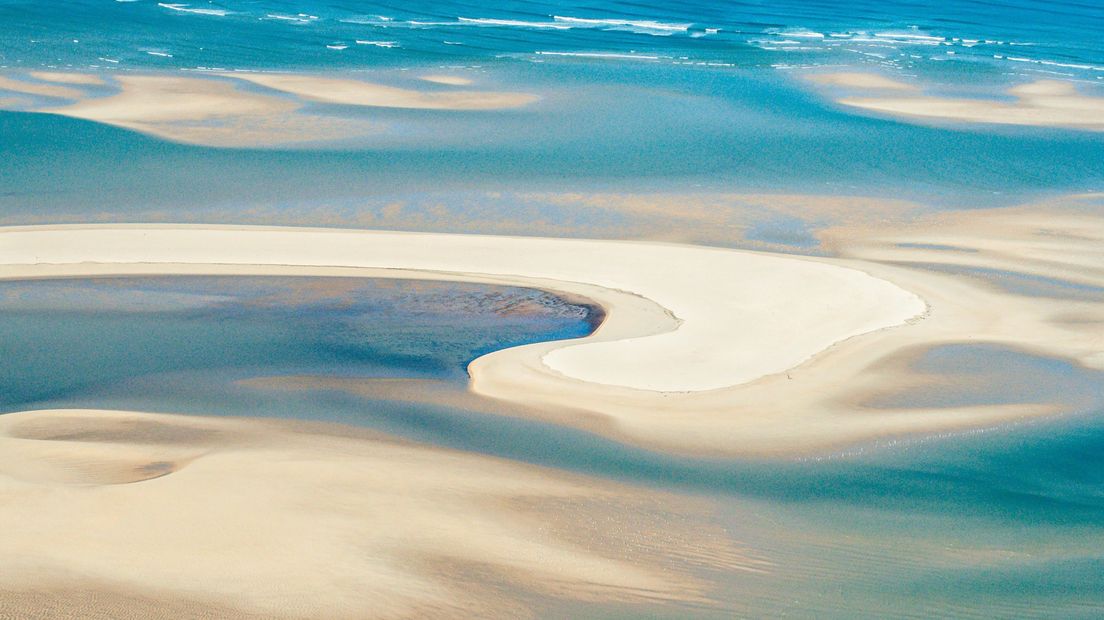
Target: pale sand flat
pixel 1045 103
pixel 851 79
pixel 42 90
pixel 357 92
pixel 291 520
pixel 62 77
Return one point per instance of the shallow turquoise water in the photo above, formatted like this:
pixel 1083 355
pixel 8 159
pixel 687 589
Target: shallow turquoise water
pixel 714 112
pixel 687 130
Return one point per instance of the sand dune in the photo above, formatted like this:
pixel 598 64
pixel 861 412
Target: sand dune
pixel 242 523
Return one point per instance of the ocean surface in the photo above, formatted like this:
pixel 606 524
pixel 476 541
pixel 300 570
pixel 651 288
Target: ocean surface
pixel 963 37
pixel 682 101
pixel 673 98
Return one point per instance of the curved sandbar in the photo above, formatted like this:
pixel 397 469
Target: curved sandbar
pixel 680 319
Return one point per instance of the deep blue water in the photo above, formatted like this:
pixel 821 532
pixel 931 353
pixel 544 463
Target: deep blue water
pixel 1015 36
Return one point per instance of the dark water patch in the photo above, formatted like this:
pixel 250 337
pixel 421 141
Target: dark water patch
pixel 63 337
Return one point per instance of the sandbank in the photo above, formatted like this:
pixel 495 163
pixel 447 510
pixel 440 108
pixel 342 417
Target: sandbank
pixel 851 79
pixel 42 90
pixel 681 320
pixel 734 316
pixel 357 92
pixel 216 517
pixel 220 110
pixel 62 77
pixel 1045 103
pixel 704 351
pixel 208 112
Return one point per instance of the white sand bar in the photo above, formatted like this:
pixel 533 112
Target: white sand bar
pixel 738 315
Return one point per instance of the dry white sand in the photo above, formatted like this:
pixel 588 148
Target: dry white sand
pixel 1045 103
pixel 357 92
pixel 213 517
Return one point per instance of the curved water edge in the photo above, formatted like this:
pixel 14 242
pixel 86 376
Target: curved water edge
pixel 674 330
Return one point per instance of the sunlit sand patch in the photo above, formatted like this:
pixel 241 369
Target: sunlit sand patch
pixel 293 520
pixel 871 81
pixel 41 90
pixel 1045 103
pixel 87 79
pixel 449 80
pixel 208 112
pixel 357 92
